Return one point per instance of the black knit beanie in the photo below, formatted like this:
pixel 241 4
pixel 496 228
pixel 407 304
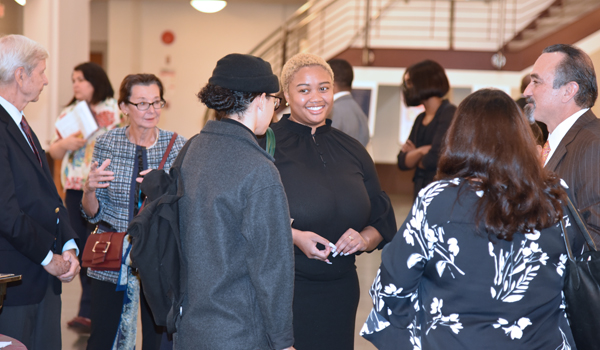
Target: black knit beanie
pixel 244 73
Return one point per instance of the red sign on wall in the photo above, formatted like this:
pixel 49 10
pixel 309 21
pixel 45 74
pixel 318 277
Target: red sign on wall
pixel 168 37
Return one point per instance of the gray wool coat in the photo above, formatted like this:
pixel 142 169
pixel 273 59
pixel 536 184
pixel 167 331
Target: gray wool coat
pixel 237 242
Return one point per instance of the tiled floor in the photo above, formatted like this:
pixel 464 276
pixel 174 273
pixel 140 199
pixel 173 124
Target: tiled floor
pixel 367 265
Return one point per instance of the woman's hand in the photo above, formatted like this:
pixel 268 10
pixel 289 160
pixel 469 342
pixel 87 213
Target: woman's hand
pixel 307 242
pixel 353 241
pixel 70 143
pixel 414 155
pixel 350 243
pixel 98 175
pixel 408 146
pixel 142 174
pixel 73 142
pixel 424 149
pixel 89 202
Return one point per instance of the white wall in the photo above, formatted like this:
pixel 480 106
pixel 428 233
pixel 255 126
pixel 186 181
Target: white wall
pixel 134 46
pixel 62 27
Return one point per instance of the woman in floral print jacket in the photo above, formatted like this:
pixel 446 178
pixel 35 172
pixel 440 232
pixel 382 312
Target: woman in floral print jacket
pixel 479 262
pixel 90 84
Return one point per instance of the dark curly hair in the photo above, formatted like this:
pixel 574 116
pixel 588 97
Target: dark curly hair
pixel 491 144
pixel 225 101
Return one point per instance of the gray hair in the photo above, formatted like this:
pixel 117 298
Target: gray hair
pixel 19 51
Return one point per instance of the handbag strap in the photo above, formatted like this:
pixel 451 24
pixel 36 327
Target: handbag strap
pixel 162 163
pixel 567 244
pixel 167 151
pixel 581 225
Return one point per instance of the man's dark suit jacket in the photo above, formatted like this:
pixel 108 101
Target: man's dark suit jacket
pixel 29 210
pixel 577 161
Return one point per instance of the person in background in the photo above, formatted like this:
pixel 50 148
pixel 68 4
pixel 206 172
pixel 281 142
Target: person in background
pixel 235 223
pixel 336 203
pixel 112 197
pixel 479 262
pixel 347 115
pixel 90 84
pixel 522 102
pixel 563 88
pixel 36 239
pixel 425 83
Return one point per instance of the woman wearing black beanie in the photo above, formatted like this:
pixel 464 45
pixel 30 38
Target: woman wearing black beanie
pixel 234 219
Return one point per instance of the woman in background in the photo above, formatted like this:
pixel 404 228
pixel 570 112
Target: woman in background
pixel 90 84
pixel 112 197
pixel 335 201
pixel 425 83
pixel 479 263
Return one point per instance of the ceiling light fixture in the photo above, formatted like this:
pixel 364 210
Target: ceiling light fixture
pixel 21 2
pixel 208 6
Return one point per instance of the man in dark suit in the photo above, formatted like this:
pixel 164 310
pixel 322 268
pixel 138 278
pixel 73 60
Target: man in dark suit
pixel 36 240
pixel 563 88
pixel 347 115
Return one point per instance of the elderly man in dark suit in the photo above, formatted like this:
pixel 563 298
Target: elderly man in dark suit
pixel 36 240
pixel 563 88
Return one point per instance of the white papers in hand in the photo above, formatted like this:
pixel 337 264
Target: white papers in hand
pixel 4 344
pixel 79 119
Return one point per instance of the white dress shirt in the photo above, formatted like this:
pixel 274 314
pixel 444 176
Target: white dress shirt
pixel 340 94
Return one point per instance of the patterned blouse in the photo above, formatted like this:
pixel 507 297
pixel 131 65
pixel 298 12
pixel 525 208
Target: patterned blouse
pixel 444 284
pixel 76 164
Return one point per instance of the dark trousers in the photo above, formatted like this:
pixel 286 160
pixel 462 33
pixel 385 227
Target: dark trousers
pixel 37 326
pixel 106 315
pixel 83 230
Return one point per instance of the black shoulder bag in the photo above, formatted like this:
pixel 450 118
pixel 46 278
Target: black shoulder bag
pixel 582 288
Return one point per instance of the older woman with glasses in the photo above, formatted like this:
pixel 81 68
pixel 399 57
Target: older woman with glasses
pixel 111 198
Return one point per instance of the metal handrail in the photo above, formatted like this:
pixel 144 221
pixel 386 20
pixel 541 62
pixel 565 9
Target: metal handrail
pixel 328 27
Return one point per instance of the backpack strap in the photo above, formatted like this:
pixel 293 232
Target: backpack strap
pixel 167 151
pixel 270 148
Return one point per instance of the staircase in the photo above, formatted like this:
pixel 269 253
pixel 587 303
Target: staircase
pixel 459 34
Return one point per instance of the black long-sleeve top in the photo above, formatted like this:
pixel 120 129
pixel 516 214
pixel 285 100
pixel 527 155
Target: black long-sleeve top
pixel 430 134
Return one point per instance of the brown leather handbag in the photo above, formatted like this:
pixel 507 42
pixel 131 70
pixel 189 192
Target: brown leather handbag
pixel 104 251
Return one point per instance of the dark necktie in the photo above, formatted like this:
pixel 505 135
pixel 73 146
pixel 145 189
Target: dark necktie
pixel 27 131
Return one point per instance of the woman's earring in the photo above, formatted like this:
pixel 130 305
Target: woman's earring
pixel 287 104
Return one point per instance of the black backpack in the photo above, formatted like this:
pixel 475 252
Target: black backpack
pixel 156 244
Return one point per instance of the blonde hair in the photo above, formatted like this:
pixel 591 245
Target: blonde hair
pixel 299 61
pixel 19 51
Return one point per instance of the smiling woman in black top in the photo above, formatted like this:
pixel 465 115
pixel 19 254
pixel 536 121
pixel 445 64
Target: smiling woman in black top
pixel 335 200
